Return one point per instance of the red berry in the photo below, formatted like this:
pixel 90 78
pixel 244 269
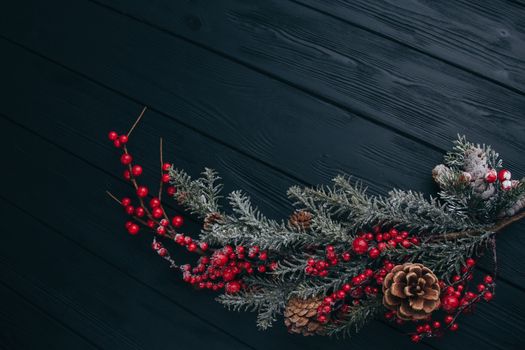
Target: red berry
pixel 142 191
pixel 360 245
pixel 470 262
pixel 488 279
pixel 156 245
pixel 263 255
pixel 171 190
pixel 322 319
pixel 415 338
pixel 151 223
pixel 233 287
pixel 123 139
pixel 450 303
pixel 136 170
pixel 503 175
pixel 125 202
pixel 374 253
pixel 449 319
pixel 166 166
pixel 506 185
pixel 165 178
pixel 346 256
pixel 369 236
pixel 220 259
pixel 164 222
pixel 157 212
pixel 116 143
pixel 491 176
pixel 140 212
pixel 204 246
pixel 133 229
pixel 130 210
pixel 436 324
pixel 454 327
pixel 177 221
pixel 480 287
pixel 261 268
pixel 126 174
pixel 112 135
pixel 488 296
pixel 192 247
pixel 161 230
pixel 154 202
pixel 162 252
pixel 126 158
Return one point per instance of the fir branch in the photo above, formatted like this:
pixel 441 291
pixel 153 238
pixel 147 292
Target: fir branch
pixel 357 317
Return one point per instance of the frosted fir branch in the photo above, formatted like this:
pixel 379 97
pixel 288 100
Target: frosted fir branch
pixel 356 318
pixel 200 196
pixel 267 302
pixel 456 157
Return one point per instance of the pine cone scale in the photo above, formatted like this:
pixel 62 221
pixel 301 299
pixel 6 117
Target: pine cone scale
pixel 300 316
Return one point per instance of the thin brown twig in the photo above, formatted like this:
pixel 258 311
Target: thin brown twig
pixel 161 173
pixel 496 228
pixel 137 121
pixel 113 196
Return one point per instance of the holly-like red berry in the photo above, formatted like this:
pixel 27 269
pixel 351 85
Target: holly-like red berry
pixel 166 166
pixel 125 202
pixel 192 247
pixel 123 139
pixel 162 252
pixel 126 158
pixel 450 303
pixel 360 245
pixel 126 174
pixel 177 221
pixel 204 246
pixel 140 212
pixel 161 230
pixel 116 143
pixel 454 327
pixel 470 262
pixel 133 229
pixel 165 178
pixel 488 296
pixel 142 191
pixel 436 324
pixel 154 202
pixel 503 175
pixel 157 212
pixel 171 190
pixel 449 319
pixel 112 135
pixel 130 210
pixel 374 253
pixel 136 170
pixel 491 176
pixel 415 338
pixel 233 287
pixel 488 279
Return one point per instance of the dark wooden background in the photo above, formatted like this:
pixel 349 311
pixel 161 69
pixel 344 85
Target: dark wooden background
pixel 270 93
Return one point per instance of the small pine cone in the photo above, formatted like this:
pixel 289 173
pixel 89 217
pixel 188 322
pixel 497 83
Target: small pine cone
pixel 301 220
pixel 412 290
pixel 210 219
pixel 181 197
pixel 476 165
pixel 300 316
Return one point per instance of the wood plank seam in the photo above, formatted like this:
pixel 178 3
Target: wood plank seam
pixel 433 56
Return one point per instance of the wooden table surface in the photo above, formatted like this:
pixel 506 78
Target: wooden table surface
pixel 271 93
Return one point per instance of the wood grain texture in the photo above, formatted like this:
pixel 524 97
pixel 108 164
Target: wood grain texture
pixel 485 37
pixel 51 113
pixel 71 81
pixel 368 74
pixel 25 326
pixel 103 224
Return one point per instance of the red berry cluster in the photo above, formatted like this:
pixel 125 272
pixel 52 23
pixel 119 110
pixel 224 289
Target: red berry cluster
pixel 456 299
pixel 370 243
pixel 503 176
pixel 226 267
pixel 360 287
pixel 155 215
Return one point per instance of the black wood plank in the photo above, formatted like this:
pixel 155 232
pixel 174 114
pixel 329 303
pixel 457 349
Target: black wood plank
pixel 212 100
pixel 353 68
pixel 25 326
pixel 93 298
pixel 74 186
pixel 73 113
pixel 484 37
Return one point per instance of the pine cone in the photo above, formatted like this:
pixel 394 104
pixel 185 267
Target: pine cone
pixel 181 197
pixel 301 220
pixel 476 165
pixel 440 173
pixel 412 290
pixel 300 316
pixel 211 219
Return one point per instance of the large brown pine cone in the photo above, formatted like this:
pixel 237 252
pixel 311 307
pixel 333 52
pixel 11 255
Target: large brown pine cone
pixel 300 316
pixel 301 219
pixel 412 290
